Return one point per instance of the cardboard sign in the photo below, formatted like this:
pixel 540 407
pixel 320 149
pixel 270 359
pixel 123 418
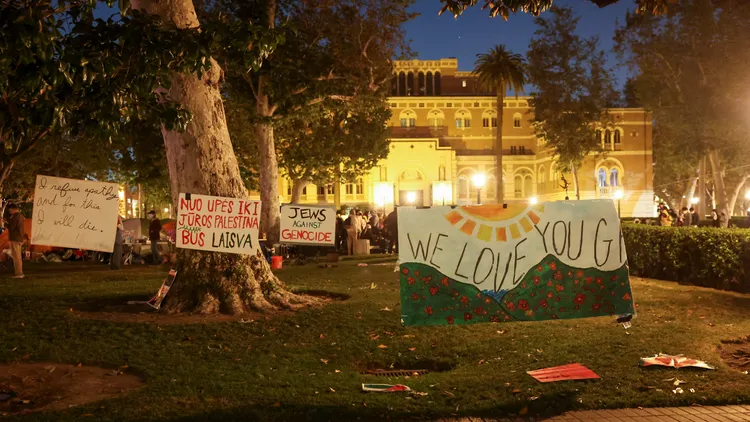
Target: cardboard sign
pixel 523 262
pixel 78 214
pixel 212 223
pixel 308 225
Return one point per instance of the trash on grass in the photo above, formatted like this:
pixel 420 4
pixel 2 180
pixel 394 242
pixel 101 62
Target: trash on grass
pixel 385 388
pixel 362 264
pixel 574 371
pixel 678 361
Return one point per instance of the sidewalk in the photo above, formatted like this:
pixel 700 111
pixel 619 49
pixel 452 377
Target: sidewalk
pixel 661 414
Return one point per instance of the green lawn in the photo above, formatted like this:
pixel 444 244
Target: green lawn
pixel 274 369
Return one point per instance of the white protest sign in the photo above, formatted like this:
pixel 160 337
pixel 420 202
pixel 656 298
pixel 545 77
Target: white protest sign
pixel 79 214
pixel 308 225
pixel 212 223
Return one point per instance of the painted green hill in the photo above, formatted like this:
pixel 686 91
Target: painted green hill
pixel 550 290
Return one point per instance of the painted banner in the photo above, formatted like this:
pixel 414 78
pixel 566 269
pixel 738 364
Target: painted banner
pixel 308 225
pixel 487 263
pixel 78 214
pixel 212 223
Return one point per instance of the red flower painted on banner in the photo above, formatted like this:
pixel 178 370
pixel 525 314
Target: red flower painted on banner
pixel 553 266
pixel 455 293
pixel 494 318
pixel 596 306
pixel 445 282
pixel 478 310
pixel 415 297
pixel 464 300
pixel 558 275
pixel 404 270
pixel 539 268
pixel 510 305
pixel 559 287
pixel 543 304
pixel 599 280
pixel 537 280
pixel 467 316
pixel 553 316
pixel 416 273
pixel 434 290
pixel 576 282
pixel 449 319
pixel 577 307
pixel 523 305
pixel 626 296
pixel 523 285
pixel 428 310
pixel 580 298
pixel 614 277
pixel 579 273
pixel 561 309
pixel 570 274
pixel 410 280
pixel 550 295
pixel 487 300
pixel 588 280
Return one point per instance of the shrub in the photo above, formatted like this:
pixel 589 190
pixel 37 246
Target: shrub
pixel 703 256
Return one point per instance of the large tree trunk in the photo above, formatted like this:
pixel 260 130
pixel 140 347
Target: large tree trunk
pixel 736 193
pixel 720 193
pixel 297 187
pixel 499 145
pixel 269 166
pixel 689 194
pixel 201 160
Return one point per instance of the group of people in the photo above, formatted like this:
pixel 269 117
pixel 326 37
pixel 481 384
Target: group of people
pixel 687 217
pixel 154 235
pixel 366 225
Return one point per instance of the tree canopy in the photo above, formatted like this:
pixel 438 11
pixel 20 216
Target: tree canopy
pixel 504 8
pixel 573 89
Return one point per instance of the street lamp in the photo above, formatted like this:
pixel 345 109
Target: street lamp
pixel 479 179
pixel 618 195
pixel 533 200
pixel 694 200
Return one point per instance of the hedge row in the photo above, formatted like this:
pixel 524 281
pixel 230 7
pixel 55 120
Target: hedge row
pixel 710 257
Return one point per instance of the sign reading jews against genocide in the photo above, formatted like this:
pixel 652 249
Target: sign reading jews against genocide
pixel 308 225
pixel 486 263
pixel 212 223
pixel 79 214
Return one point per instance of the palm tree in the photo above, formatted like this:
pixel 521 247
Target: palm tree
pixel 500 70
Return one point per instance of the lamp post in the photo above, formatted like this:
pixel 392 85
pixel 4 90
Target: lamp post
pixel 479 180
pixel 618 195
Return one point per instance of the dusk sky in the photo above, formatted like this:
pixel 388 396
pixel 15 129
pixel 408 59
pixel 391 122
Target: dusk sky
pixel 435 37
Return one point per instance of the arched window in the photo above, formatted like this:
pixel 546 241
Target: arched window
pixel 517 120
pixel 410 83
pixel 528 186
pixel 490 186
pixel 463 118
pixel 542 176
pixel 489 118
pixel 463 187
pixel 599 135
pixel 394 85
pixel 618 136
pixel 430 90
pixel 517 186
pixel 401 84
pixel 436 118
pixel 602 178
pixel 437 83
pixel 607 137
pixel 420 83
pixel 614 178
pixel 408 118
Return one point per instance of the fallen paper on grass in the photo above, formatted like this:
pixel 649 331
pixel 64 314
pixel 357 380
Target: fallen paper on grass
pixel 678 361
pixel 574 371
pixel 385 388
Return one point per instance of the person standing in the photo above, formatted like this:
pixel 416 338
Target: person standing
pixel 16 233
pixel 391 229
pixel 154 235
pixel 693 217
pixel 116 259
pixel 352 225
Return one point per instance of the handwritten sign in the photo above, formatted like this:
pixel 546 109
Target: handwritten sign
pixel 212 223
pixel 79 214
pixel 487 263
pixel 308 225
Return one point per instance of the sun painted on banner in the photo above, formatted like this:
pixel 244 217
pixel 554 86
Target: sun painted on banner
pixel 523 262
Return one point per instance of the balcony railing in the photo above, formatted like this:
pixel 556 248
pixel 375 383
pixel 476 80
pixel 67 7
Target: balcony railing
pixel 419 132
pixel 491 151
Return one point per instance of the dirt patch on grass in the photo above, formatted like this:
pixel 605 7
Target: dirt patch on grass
pixel 117 309
pixel 736 353
pixel 32 387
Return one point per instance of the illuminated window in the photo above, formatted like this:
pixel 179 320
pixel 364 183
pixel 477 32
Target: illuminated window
pixel 607 137
pixel 602 178
pixel 614 177
pixel 321 190
pixel 463 84
pixel 617 137
pixel 349 189
pixel 360 186
pixel 517 120
pixel 485 122
pixel 459 123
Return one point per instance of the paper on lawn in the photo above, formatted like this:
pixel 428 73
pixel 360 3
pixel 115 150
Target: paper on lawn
pixel 385 388
pixel 678 361
pixel 571 372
